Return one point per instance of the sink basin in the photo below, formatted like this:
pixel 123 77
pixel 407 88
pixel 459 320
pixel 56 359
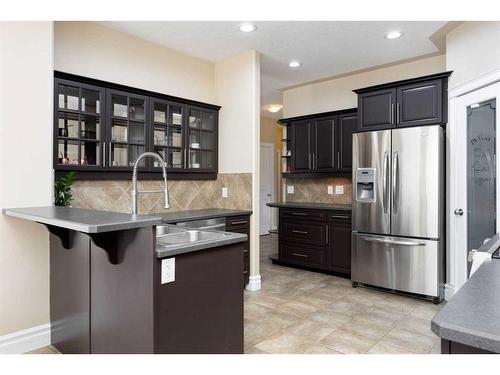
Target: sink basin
pixel 188 236
pixel 167 229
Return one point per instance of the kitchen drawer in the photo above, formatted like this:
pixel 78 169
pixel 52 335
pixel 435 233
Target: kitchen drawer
pixel 301 256
pixel 311 233
pixel 237 222
pixel 317 215
pixel 339 216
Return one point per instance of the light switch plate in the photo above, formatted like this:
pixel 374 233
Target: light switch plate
pixel 167 270
pixel 224 192
pixel 330 189
pixel 290 189
pixel 339 189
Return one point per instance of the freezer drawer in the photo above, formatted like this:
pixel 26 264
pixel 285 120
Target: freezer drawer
pixel 398 263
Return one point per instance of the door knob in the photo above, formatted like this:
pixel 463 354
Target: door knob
pixel 458 211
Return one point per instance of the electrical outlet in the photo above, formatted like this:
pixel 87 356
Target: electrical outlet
pixel 330 189
pixel 339 189
pixel 167 270
pixel 290 189
pixel 224 192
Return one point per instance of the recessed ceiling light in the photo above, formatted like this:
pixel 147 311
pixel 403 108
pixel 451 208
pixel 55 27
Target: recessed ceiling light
pixel 294 64
pixel 393 35
pixel 273 108
pixel 247 27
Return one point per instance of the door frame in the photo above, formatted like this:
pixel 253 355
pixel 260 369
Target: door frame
pixel 479 89
pixel 272 220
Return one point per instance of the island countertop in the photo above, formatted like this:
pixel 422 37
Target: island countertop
pixel 472 316
pixel 208 213
pixel 82 220
pixel 311 205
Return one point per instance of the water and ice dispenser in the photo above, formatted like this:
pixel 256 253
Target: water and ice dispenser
pixel 365 185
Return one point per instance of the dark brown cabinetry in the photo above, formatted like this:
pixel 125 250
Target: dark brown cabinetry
pixel 412 102
pixel 317 239
pixel 241 224
pixel 453 347
pixel 320 144
pixel 101 128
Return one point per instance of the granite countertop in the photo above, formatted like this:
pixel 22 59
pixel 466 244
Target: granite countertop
pixel 209 213
pixel 82 220
pixel 472 316
pixel 311 205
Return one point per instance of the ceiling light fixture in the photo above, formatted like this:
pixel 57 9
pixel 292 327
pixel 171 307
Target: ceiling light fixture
pixel 247 27
pixel 393 35
pixel 294 64
pixel 273 108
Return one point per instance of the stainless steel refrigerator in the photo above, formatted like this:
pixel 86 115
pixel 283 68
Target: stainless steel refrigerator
pixel 397 212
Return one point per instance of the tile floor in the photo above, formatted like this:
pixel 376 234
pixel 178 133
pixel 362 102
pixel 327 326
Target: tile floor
pixel 299 311
pixel 306 312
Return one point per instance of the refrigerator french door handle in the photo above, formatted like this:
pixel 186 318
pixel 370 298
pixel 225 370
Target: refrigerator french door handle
pixel 386 182
pixel 395 185
pixel 391 242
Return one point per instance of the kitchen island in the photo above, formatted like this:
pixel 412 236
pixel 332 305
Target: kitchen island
pixel 115 286
pixel 470 321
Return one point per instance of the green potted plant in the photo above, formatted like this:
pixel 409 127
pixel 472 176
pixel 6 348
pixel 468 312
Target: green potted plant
pixel 62 189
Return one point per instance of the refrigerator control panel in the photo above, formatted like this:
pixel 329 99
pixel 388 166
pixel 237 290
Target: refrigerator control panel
pixel 365 185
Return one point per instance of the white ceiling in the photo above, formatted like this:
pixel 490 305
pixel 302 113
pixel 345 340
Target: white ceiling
pixel 325 49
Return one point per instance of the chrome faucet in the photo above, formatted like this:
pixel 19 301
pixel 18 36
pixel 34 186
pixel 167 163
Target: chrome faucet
pixel 135 191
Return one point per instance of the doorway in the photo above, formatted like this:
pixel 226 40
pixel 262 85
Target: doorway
pixel 267 190
pixel 473 201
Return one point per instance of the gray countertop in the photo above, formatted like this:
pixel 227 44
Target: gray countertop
pixel 311 205
pixel 82 220
pixel 472 316
pixel 209 213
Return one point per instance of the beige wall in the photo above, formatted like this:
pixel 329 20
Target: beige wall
pixel 472 50
pixel 237 90
pixel 26 87
pixel 337 93
pixel 92 50
pixel 271 132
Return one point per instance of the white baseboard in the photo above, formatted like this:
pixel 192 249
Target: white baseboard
pixel 254 283
pixel 26 340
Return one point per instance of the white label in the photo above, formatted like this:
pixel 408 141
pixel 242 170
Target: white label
pixel 290 189
pixel 224 192
pixel 330 189
pixel 167 270
pixel 339 189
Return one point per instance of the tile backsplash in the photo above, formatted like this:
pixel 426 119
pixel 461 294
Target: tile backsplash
pixel 316 190
pixel 184 195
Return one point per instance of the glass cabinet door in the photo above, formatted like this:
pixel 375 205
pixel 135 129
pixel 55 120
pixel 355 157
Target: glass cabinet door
pixel 127 129
pixel 201 139
pixel 79 131
pixel 168 133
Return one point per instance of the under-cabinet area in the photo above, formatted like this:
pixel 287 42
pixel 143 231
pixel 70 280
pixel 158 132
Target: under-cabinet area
pixel 101 129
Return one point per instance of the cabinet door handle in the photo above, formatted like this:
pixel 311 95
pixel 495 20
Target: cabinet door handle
pixel 392 113
pixel 104 154
pixel 327 234
pixel 339 217
pixel 397 113
pixel 309 162
pixel 299 214
pixel 109 157
pixel 300 231
pixel 338 160
pixel 238 222
pixel 300 255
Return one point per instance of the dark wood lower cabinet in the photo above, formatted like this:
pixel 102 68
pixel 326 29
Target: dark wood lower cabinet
pixel 241 224
pixel 316 239
pixel 106 296
pixel 452 347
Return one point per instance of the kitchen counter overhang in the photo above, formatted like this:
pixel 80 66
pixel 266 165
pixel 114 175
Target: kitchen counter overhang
pixel 311 206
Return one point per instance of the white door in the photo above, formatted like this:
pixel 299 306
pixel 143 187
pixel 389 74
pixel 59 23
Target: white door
pixel 266 186
pixel 473 185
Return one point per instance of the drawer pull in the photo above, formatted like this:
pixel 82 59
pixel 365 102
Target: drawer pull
pixel 300 231
pixel 339 217
pixel 299 214
pixel 238 222
pixel 300 255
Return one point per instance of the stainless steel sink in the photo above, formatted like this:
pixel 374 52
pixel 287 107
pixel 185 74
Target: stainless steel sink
pixel 188 236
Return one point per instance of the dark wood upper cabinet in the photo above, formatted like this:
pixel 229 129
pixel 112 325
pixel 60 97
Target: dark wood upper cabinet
pixel 419 104
pixel 324 138
pixel 376 109
pixel 412 102
pixel 301 146
pixel 347 125
pixel 100 129
pixel 320 143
